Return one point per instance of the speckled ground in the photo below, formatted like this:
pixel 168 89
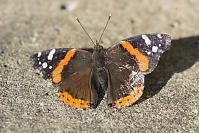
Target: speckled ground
pixel 30 104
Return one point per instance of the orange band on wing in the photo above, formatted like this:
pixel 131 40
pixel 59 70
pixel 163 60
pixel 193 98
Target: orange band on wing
pixel 143 60
pixel 131 98
pixel 69 100
pixel 56 74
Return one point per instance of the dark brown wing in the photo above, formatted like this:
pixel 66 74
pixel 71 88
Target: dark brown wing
pixel 77 87
pixel 126 83
pixel 78 90
pixel 71 69
pixel 128 61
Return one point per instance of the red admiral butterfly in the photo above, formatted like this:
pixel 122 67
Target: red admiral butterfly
pixel 119 70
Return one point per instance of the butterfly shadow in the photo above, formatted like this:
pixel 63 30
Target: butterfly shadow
pixel 181 56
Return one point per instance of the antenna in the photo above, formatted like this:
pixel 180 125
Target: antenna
pixel 84 30
pixel 109 17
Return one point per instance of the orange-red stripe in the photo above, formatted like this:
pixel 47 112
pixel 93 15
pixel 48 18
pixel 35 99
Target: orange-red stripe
pixel 143 60
pixel 131 98
pixel 69 100
pixel 56 74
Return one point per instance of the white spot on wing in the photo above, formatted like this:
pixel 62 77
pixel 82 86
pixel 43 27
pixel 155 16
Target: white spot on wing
pixel 132 75
pixel 154 48
pixel 159 36
pixel 127 66
pixel 50 56
pixel 44 65
pixel 148 52
pixel 50 67
pixel 40 63
pixel 146 39
pixel 38 54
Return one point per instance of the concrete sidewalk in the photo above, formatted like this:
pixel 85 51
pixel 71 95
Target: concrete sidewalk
pixel 28 103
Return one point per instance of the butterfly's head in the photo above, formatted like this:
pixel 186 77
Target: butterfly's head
pixel 98 47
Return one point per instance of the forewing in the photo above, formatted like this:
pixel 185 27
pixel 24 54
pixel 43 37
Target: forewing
pixel 145 49
pixel 46 61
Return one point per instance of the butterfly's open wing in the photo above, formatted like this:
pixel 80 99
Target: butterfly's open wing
pixel 46 61
pixel 147 49
pixel 128 61
pixel 72 70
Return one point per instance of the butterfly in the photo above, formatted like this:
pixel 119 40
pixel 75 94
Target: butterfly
pixel 119 70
